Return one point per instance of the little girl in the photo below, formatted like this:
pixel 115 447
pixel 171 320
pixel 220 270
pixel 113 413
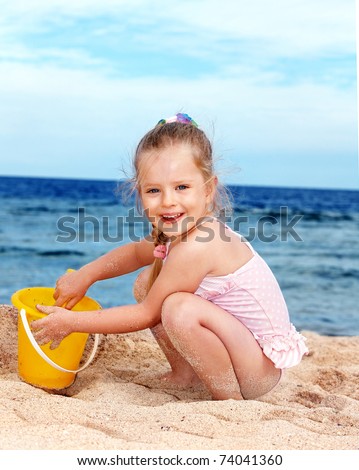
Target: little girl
pixel 212 303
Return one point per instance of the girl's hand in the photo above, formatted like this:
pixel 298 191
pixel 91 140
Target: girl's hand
pixel 70 289
pixel 54 327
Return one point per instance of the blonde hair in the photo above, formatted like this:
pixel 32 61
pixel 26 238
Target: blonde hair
pixel 168 134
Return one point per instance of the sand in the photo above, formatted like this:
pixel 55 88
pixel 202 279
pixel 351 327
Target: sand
pixel 117 403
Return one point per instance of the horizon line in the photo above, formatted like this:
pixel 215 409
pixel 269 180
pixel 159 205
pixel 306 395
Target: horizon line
pixel 257 185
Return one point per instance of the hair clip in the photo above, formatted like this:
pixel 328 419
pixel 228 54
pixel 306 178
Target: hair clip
pixel 179 117
pixel 160 251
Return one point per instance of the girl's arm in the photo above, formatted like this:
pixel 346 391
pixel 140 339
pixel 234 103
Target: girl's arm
pixel 121 260
pixel 72 286
pixel 183 271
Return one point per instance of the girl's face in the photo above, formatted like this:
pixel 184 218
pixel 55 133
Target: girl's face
pixel 173 191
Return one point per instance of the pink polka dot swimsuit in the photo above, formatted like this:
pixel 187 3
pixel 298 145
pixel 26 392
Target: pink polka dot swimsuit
pixel 253 296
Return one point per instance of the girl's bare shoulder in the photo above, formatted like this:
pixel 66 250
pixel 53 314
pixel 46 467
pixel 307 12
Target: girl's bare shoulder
pixel 225 248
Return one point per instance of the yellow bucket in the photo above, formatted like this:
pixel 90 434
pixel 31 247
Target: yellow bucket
pixel 40 366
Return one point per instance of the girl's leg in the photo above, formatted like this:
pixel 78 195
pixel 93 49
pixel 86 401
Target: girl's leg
pixel 181 372
pixel 221 350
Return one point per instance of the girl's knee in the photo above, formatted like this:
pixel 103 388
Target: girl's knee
pixel 140 285
pixel 174 302
pixel 176 310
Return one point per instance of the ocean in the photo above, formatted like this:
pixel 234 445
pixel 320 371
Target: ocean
pixel 309 238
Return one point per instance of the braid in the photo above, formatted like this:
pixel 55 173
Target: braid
pixel 159 238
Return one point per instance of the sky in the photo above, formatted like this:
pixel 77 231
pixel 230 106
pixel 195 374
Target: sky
pixel 272 82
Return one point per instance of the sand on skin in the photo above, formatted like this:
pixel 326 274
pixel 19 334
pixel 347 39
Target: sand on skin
pixel 118 404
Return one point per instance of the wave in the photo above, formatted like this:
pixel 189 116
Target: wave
pixel 16 249
pixel 307 216
pixel 336 255
pixel 36 210
pixel 327 216
pixel 334 273
pixel 61 253
pixel 33 251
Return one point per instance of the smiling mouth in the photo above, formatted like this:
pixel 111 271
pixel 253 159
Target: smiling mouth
pixel 171 218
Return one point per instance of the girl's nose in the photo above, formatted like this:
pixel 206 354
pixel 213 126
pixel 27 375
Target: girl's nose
pixel 168 199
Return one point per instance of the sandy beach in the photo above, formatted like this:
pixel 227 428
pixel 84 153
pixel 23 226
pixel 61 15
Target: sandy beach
pixel 117 403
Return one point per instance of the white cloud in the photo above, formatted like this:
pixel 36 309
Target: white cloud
pixel 286 28
pixel 71 121
pixel 291 27
pixel 66 117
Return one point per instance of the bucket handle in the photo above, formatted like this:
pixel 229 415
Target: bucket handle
pixel 45 357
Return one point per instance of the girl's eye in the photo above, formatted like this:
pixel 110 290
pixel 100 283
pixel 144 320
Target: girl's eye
pixel 152 191
pixel 182 187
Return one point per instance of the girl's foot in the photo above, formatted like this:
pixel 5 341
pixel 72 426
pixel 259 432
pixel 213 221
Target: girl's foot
pixel 178 379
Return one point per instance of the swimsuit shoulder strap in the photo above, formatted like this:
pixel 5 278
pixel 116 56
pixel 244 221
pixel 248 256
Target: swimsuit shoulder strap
pixel 242 238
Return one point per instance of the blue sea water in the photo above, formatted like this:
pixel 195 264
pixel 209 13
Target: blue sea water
pixel 309 238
